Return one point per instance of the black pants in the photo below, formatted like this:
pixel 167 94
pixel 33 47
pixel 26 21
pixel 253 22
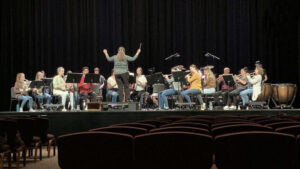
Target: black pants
pixel 84 96
pixel 123 85
pixel 225 94
pixel 233 96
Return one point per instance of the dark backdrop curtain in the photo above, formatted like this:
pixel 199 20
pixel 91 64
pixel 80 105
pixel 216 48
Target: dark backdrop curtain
pixel 44 34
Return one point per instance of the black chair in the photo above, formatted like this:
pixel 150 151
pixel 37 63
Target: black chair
pixel 13 98
pixel 138 125
pixel 188 124
pixel 28 129
pixel 173 150
pixel 92 150
pixel 255 150
pixel 239 128
pixel 41 130
pixel 14 144
pixel 182 128
pixel 133 131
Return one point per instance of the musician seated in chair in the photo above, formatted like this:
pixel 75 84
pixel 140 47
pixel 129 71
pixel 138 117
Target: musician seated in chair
pixel 174 89
pixel 60 87
pixel 41 94
pixel 209 82
pixel 194 79
pixel 112 88
pixel 242 84
pixel 21 89
pixel 85 89
pixel 255 90
pixel 140 85
pixel 225 87
pixel 98 88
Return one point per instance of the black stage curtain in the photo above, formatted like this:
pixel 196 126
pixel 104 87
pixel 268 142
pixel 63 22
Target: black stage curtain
pixel 44 34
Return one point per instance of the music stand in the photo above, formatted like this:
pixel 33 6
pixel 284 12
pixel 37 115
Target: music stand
pixel 74 78
pixel 131 79
pixel 229 80
pixel 47 81
pixel 179 76
pixel 157 78
pixel 92 78
pixel 36 84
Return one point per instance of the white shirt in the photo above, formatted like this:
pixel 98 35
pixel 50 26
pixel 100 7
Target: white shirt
pixel 256 82
pixel 140 79
pixel 112 82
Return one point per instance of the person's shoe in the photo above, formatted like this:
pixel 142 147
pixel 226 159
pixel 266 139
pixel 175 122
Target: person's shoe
pixel 64 110
pixel 226 108
pixel 167 108
pixel 21 110
pixel 232 107
pixel 31 110
pixel 42 107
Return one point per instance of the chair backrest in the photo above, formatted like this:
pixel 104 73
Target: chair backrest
pixel 239 128
pixel 171 118
pixel 91 150
pixel 133 131
pixel 230 123
pixel 9 129
pixel 283 124
pixel 204 121
pixel 27 128
pixel 12 93
pixel 249 150
pixel 294 130
pixel 173 150
pixel 41 129
pixel 188 124
pixel 139 125
pixel 207 117
pixel 272 120
pixel 157 123
pixel 182 128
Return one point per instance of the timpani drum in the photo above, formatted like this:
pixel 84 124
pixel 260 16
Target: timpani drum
pixel 266 93
pixel 284 95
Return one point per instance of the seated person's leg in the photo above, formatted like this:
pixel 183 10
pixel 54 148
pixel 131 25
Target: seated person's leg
pixel 114 96
pixel 164 95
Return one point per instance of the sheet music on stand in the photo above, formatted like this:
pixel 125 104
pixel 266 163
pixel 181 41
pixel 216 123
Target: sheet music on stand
pixel 229 80
pixel 74 78
pixel 92 78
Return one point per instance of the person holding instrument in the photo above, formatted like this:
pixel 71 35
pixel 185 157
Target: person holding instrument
pixel 40 93
pixel 85 89
pixel 21 90
pixel 209 81
pixel 242 84
pixel 174 88
pixel 59 86
pixel 112 88
pixel 194 79
pixel 256 82
pixel 121 70
pixel 140 85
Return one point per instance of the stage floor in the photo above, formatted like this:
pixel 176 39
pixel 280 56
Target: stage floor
pixel 76 121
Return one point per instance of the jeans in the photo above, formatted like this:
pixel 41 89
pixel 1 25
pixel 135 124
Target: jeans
pixel 114 95
pixel 76 99
pixel 141 95
pixel 232 96
pixel 185 93
pixel 209 90
pixel 24 100
pixel 162 97
pixel 123 85
pixel 244 95
pixel 40 98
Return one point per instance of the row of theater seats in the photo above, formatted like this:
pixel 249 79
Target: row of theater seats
pixel 177 142
pixel 21 136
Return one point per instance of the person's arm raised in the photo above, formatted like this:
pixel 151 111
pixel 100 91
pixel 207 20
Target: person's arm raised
pixel 135 56
pixel 110 59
